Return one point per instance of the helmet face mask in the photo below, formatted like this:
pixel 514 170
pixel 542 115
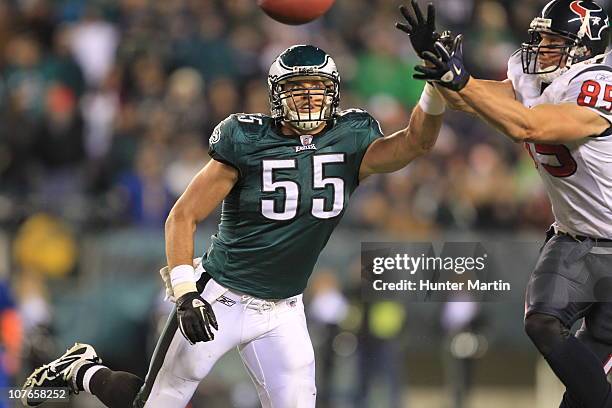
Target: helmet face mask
pixel 304 88
pixel 306 101
pixel 550 59
pixel 575 31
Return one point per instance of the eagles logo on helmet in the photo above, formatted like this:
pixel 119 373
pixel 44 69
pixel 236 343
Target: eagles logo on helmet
pixel 581 24
pixel 298 64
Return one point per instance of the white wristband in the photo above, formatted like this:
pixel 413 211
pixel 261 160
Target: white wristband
pixel 182 278
pixel 431 102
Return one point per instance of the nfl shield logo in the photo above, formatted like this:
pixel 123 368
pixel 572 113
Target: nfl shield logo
pixel 306 139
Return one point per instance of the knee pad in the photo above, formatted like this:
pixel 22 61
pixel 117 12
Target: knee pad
pixel 298 392
pixel 304 363
pixel 545 331
pixel 193 371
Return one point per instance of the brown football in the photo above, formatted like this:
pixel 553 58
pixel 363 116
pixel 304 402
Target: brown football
pixel 295 12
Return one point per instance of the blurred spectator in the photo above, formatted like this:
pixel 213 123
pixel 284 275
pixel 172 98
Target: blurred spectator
pixel 23 74
pixel 60 151
pixel 45 245
pixel 17 141
pixel 94 43
pixel 208 51
pixel 106 109
pixel 190 159
pixel 60 64
pixel 37 319
pixel 462 323
pixel 256 99
pixel 141 72
pixel 223 98
pixel 59 143
pixel 491 40
pixel 456 14
pixel 380 354
pixel 327 309
pixel 145 193
pixel 381 71
pixel 99 108
pixel 44 248
pixel 184 101
pixel 11 336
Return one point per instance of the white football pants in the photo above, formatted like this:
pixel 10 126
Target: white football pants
pixel 272 340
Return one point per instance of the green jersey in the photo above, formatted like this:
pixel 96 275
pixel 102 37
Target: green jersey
pixel 290 195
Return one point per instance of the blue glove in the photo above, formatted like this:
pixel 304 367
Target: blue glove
pixel 447 69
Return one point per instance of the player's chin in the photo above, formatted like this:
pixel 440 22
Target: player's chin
pixel 547 66
pixel 552 62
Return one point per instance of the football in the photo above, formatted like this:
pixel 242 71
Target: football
pixel 295 12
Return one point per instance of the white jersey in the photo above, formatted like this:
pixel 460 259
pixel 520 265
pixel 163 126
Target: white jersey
pixel 577 175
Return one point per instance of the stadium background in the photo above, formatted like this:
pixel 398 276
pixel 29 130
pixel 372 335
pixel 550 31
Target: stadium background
pixel 105 111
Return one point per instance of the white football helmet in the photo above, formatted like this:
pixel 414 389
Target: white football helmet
pixel 303 63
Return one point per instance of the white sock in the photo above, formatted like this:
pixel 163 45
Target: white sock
pixel 88 374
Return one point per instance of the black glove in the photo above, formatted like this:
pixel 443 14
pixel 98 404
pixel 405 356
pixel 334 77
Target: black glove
pixel 195 318
pixel 448 69
pixel 422 32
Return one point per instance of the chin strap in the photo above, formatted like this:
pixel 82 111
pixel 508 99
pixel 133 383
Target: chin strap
pixel 597 59
pixel 306 126
pixel 301 121
pixel 549 77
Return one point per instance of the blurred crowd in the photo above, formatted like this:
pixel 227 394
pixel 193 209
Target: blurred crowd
pixel 106 107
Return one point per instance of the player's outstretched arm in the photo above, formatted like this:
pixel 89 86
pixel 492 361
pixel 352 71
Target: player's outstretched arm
pixel 422 33
pixel 498 89
pixel 453 99
pixel 545 123
pixel 208 188
pixel 204 193
pixel 395 151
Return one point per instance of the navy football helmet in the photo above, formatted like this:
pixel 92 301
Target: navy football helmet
pixel 581 24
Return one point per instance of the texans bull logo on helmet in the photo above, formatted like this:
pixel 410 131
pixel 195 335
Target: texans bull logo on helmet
pixel 583 10
pixel 580 30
